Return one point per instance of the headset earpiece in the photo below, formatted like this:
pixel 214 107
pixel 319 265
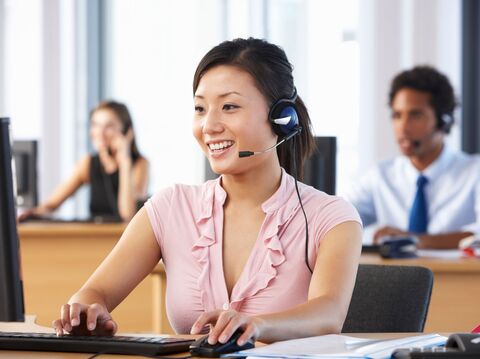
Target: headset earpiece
pixel 446 122
pixel 283 116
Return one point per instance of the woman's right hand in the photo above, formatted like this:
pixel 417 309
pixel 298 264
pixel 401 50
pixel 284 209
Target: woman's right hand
pixel 84 319
pixel 36 212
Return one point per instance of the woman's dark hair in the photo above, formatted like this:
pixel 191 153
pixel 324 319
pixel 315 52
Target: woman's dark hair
pixel 272 72
pixel 122 113
pixel 428 79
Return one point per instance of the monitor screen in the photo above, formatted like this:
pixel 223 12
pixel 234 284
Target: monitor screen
pixel 320 168
pixel 11 288
pixel 25 155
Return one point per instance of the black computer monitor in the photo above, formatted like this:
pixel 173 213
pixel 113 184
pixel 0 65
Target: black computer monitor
pixel 320 168
pixel 25 155
pixel 11 288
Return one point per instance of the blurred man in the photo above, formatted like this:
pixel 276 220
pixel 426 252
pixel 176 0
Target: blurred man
pixel 431 191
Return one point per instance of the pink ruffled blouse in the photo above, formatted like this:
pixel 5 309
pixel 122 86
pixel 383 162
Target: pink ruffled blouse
pixel 188 221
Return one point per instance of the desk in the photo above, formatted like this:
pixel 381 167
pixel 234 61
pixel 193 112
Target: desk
pixel 57 258
pixel 30 326
pixel 454 305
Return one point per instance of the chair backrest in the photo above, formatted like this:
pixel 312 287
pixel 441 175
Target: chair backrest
pixel 389 299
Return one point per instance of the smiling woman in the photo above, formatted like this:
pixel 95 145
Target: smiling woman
pixel 227 121
pixel 116 172
pixel 234 248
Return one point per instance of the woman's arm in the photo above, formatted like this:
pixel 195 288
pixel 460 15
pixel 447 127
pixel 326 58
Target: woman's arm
pixel 130 261
pixel 330 291
pixel 79 177
pixel 425 241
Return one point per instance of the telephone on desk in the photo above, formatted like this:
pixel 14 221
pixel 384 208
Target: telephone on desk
pixel 463 345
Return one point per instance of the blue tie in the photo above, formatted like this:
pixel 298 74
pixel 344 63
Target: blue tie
pixel 418 220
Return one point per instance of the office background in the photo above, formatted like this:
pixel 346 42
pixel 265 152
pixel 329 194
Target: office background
pixel 59 58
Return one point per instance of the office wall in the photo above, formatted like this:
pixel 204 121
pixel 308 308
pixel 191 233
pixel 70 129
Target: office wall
pixel 311 33
pixel 45 86
pixel 154 77
pixel 393 36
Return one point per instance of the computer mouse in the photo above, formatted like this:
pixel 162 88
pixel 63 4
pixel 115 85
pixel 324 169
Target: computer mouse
pixel 201 348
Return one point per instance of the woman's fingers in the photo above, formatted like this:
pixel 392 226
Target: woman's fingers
pixel 75 311
pixel 250 331
pixel 81 319
pixel 129 135
pixel 65 317
pixel 203 320
pixel 57 325
pixel 93 312
pixel 225 325
pixel 108 327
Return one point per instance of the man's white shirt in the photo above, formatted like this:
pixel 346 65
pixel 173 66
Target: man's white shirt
pixel 385 194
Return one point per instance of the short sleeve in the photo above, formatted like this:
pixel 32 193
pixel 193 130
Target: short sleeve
pixel 335 212
pixel 159 209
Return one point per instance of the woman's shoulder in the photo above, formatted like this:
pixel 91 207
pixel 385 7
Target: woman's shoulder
pixel 82 168
pixel 180 193
pixel 324 203
pixel 321 197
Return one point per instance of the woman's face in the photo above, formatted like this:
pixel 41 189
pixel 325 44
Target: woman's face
pixel 104 127
pixel 231 115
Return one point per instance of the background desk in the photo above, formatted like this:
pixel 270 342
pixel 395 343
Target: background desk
pixel 454 305
pixel 58 258
pixel 455 302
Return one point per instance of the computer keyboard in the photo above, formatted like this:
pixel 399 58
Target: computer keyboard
pixel 148 346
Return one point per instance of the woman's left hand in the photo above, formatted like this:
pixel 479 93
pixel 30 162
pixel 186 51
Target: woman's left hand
pixel 121 145
pixel 225 322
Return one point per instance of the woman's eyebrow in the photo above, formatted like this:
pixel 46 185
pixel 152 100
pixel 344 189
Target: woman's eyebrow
pixel 223 94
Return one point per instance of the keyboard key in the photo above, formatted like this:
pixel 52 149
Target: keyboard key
pixel 94 344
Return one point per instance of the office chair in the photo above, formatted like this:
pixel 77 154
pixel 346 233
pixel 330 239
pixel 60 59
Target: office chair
pixel 389 299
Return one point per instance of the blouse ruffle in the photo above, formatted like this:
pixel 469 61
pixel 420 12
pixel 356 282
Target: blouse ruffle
pixel 277 215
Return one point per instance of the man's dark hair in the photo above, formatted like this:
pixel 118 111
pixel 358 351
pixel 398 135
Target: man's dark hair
pixel 428 79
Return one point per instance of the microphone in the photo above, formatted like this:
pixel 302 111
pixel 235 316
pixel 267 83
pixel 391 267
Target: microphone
pixel 297 130
pixel 417 143
pixel 420 141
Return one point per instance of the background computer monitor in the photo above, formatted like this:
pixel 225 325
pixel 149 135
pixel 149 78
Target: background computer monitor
pixel 11 288
pixel 25 155
pixel 320 168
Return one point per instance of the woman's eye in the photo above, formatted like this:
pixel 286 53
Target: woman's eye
pixel 229 106
pixel 198 109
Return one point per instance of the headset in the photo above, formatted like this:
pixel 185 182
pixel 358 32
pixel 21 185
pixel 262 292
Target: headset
pixel 445 122
pixel 283 116
pixel 284 120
